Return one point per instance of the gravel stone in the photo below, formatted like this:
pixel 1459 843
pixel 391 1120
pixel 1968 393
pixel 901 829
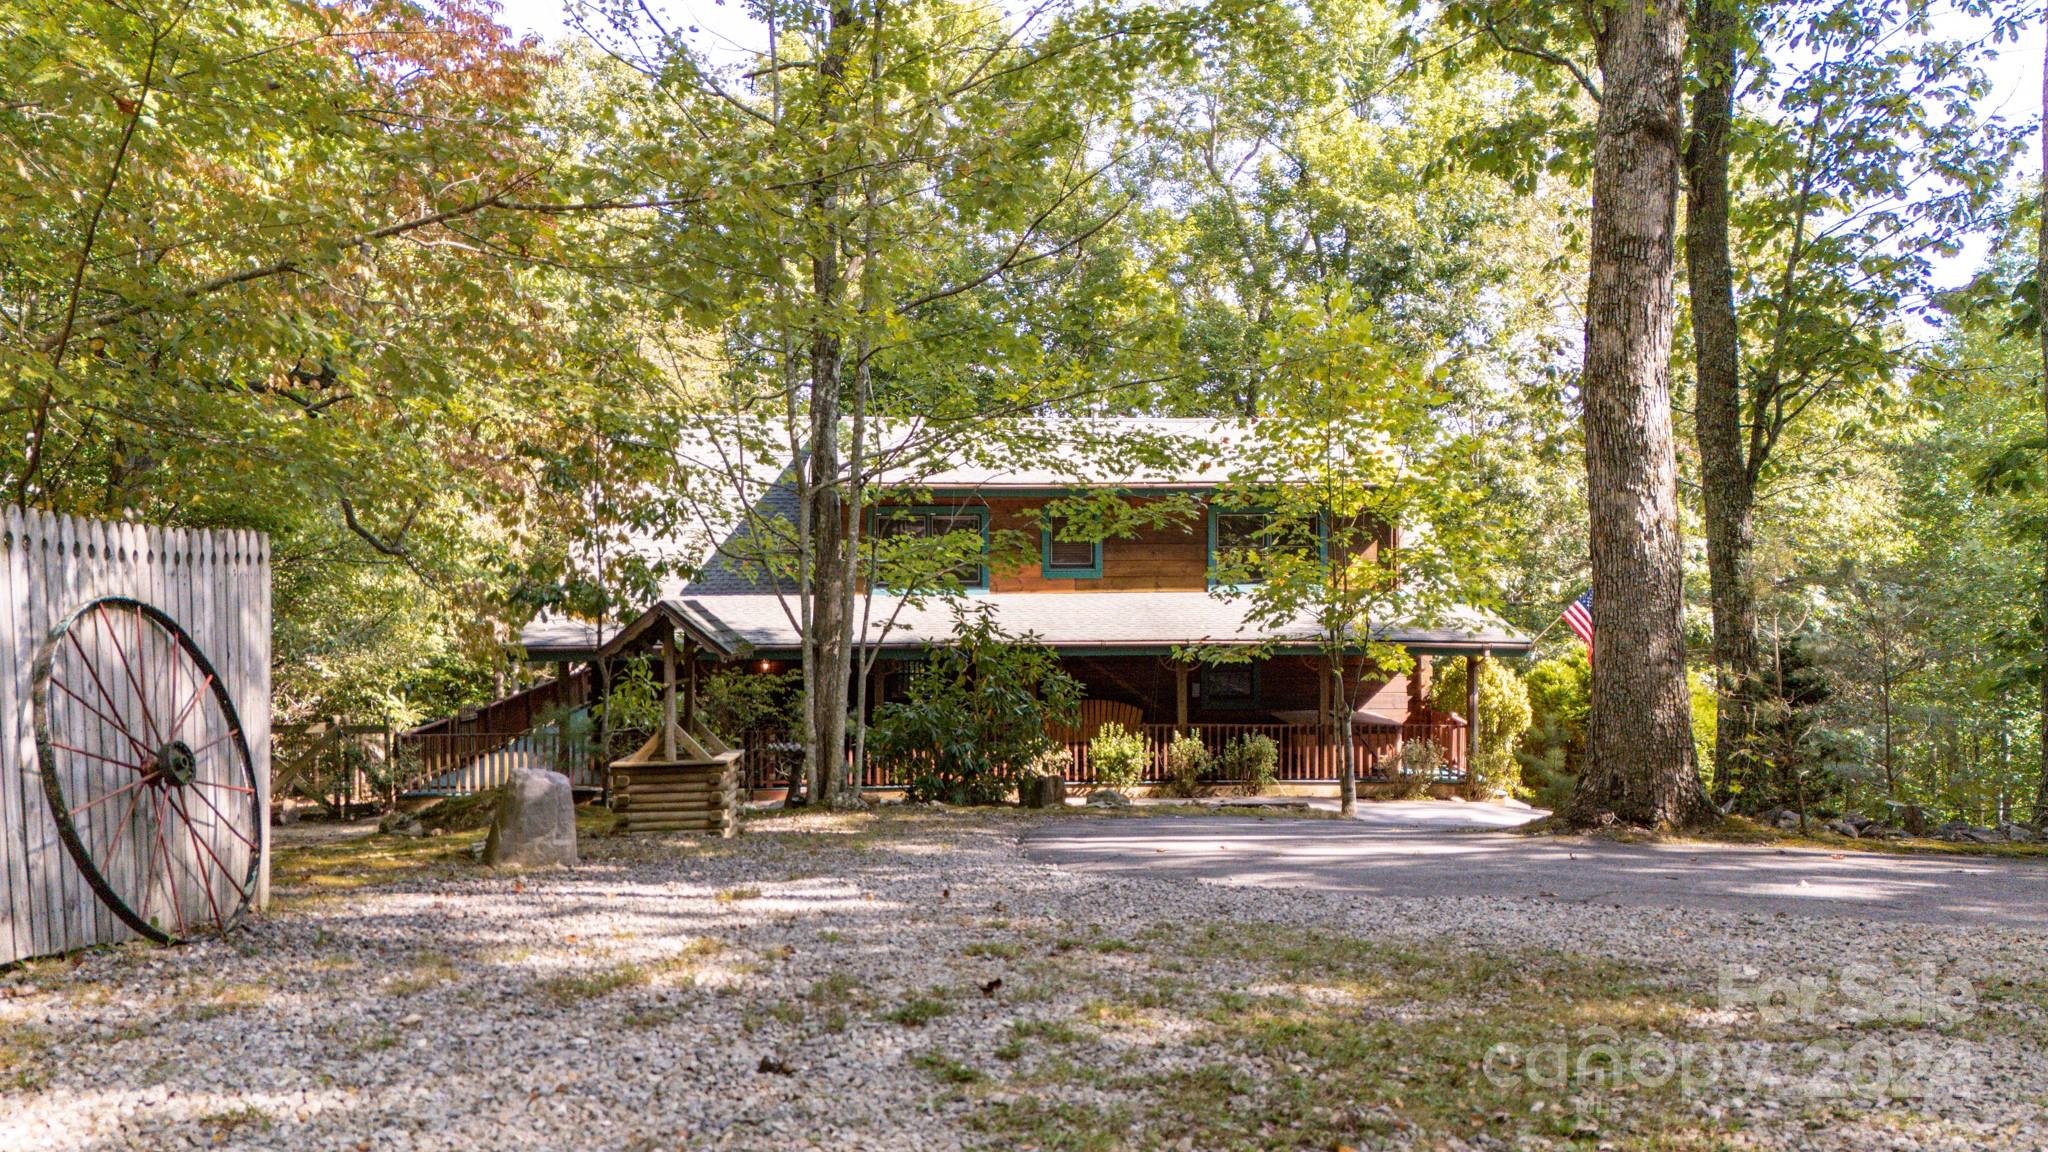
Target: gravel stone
pixel 670 993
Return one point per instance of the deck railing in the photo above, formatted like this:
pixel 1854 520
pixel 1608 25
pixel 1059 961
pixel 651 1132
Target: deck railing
pixel 460 763
pixel 1308 754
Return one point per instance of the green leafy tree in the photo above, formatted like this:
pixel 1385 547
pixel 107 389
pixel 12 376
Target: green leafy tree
pixel 1362 521
pixel 1553 750
pixel 1504 715
pixel 977 713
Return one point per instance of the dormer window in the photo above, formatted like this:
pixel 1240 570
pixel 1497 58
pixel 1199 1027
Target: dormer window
pixel 1069 559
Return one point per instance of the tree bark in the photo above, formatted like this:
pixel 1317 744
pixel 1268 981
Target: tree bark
pixel 1347 772
pixel 1728 488
pixel 1640 765
pixel 828 647
pixel 2041 319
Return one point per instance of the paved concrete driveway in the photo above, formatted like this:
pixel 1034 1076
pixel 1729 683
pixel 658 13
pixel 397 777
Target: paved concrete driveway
pixel 1388 856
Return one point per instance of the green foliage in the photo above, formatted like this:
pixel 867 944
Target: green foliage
pixel 977 713
pixel 1560 691
pixel 1504 715
pixel 1353 449
pixel 734 700
pixel 256 270
pixel 1118 756
pixel 633 703
pixel 1700 689
pixel 1189 764
pixel 1252 761
pixel 1422 759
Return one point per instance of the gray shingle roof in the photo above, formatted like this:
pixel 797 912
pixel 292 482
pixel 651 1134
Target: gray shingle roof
pixel 1066 620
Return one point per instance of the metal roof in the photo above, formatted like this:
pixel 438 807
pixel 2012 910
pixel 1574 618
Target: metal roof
pixel 1070 621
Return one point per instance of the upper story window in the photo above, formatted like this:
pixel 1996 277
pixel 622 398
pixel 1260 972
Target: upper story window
pixel 936 524
pixel 1236 533
pixel 1069 559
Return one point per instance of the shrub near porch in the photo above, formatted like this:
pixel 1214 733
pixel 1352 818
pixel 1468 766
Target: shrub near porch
pixel 976 715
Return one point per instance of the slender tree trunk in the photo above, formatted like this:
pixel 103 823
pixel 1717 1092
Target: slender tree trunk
pixel 1884 703
pixel 829 644
pixel 1347 779
pixel 1639 755
pixel 2041 316
pixel 1728 492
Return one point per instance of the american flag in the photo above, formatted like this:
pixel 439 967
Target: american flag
pixel 1578 616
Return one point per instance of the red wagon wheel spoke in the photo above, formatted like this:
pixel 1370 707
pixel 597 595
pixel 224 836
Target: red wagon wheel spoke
pixel 121 829
pixel 224 819
pixel 199 847
pixel 128 670
pixel 198 690
pixel 102 759
pixel 157 740
pixel 169 873
pixel 120 725
pixel 96 801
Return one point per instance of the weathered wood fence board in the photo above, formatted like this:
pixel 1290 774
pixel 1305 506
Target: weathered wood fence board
pixel 216 584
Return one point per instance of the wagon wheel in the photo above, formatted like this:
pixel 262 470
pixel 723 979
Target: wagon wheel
pixel 146 768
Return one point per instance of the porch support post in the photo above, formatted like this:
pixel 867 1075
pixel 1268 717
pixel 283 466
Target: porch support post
pixel 1180 697
pixel 689 685
pixel 668 696
pixel 603 677
pixel 1473 663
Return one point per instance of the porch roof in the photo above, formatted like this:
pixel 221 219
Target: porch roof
pixel 1101 622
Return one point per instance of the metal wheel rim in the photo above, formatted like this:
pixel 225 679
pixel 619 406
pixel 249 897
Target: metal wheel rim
pixel 102 750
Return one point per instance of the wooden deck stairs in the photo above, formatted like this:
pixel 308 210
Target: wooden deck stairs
pixel 689 783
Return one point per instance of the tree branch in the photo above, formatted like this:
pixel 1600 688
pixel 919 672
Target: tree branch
pixel 1545 55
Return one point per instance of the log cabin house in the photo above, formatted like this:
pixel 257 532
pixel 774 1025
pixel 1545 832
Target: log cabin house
pixel 1121 613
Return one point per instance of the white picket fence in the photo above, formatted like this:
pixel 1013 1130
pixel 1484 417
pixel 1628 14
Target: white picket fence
pixel 215 584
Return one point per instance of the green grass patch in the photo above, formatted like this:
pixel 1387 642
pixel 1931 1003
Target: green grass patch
pixel 1315 1040
pixel 918 1011
pixel 247 1118
pixel 1054 1125
pixel 574 988
pixel 425 973
pixel 944 1068
pixel 21 1056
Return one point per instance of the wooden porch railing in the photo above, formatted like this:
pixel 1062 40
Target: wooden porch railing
pixel 460 763
pixel 1307 754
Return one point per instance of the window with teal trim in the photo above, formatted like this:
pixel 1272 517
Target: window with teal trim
pixel 936 522
pixel 1233 532
pixel 1069 559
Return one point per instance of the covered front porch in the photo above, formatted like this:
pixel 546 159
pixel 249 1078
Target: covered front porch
pixel 1131 654
pixel 1289 699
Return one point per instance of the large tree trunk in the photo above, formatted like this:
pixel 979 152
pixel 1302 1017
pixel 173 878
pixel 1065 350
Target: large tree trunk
pixel 1728 488
pixel 2041 316
pixel 1639 756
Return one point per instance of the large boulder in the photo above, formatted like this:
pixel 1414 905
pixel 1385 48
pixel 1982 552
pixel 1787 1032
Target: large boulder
pixel 535 824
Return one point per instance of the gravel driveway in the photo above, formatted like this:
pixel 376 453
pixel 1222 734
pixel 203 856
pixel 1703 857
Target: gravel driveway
pixel 1416 855
pixel 921 981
